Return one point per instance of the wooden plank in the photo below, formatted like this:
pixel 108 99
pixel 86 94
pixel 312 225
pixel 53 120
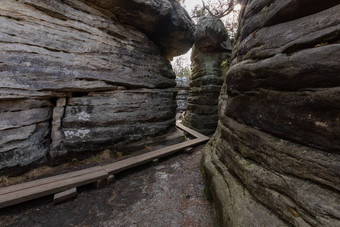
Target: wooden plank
pixel 144 158
pixel 100 183
pixel 190 131
pixel 110 179
pixel 48 180
pixel 50 188
pixel 31 190
pixel 65 195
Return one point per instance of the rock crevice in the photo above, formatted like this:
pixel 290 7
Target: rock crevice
pixel 212 47
pixel 81 76
pixel 274 158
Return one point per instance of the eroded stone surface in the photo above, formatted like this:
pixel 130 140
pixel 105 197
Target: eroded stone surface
pixel 274 159
pixel 212 47
pixel 86 75
pixel 164 21
pixel 167 194
pixel 182 93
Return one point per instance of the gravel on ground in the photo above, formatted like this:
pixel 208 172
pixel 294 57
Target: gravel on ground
pixel 168 194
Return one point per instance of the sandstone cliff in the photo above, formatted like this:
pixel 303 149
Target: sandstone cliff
pixel 212 47
pixel 84 75
pixel 274 159
pixel 182 93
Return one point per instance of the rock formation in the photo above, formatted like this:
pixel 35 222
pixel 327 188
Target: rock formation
pixel 274 159
pixel 182 93
pixel 212 47
pixel 83 75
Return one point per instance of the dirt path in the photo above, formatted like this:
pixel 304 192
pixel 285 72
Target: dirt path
pixel 167 194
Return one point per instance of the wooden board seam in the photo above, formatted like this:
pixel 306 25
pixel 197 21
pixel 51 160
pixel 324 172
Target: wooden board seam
pixel 51 185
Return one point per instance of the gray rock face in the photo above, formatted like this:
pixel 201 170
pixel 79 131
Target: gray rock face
pixel 112 119
pixel 79 76
pixel 24 131
pixel 274 159
pixel 212 47
pixel 182 93
pixel 164 21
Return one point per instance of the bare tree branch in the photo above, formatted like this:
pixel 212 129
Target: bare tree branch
pixel 207 8
pixel 220 9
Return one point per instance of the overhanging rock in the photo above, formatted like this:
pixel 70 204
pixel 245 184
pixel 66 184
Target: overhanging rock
pixel 81 76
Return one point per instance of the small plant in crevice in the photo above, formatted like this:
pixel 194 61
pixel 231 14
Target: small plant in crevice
pixel 208 194
pixel 4 181
pixel 321 44
pixel 115 154
pixel 293 211
pixel 265 9
pixel 185 138
pixel 149 148
pixel 94 159
pixel 206 191
pixel 225 63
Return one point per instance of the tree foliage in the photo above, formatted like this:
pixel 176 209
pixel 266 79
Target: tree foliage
pixel 231 23
pixel 224 9
pixel 180 67
pixel 219 8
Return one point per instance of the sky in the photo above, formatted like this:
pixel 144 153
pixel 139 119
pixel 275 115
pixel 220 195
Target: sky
pixel 189 5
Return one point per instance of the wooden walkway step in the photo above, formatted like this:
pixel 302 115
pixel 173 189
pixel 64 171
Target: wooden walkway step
pixel 191 132
pixel 65 195
pixel 35 189
pixel 119 166
pixel 19 193
pixel 30 184
pixel 147 157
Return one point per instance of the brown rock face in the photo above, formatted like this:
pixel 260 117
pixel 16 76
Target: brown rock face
pixel 85 75
pixel 212 47
pixel 274 159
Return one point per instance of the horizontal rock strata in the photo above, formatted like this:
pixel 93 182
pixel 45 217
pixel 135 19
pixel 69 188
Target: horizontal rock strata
pixel 212 47
pixel 79 76
pixel 274 159
pixel 182 93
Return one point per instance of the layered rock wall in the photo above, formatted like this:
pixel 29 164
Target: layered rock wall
pixel 182 93
pixel 274 159
pixel 212 47
pixel 80 76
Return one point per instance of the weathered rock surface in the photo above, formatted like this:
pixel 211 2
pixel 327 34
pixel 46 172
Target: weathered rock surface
pixel 212 47
pixel 274 159
pixel 164 21
pixel 166 194
pixel 78 76
pixel 182 93
pixel 112 119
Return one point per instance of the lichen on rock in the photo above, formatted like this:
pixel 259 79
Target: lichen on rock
pixel 212 47
pixel 85 75
pixel 182 93
pixel 274 159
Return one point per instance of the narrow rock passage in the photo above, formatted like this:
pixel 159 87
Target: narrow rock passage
pixel 167 194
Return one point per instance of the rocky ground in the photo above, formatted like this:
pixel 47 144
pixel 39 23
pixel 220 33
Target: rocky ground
pixel 169 193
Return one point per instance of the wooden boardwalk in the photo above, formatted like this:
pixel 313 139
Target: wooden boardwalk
pixel 19 193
